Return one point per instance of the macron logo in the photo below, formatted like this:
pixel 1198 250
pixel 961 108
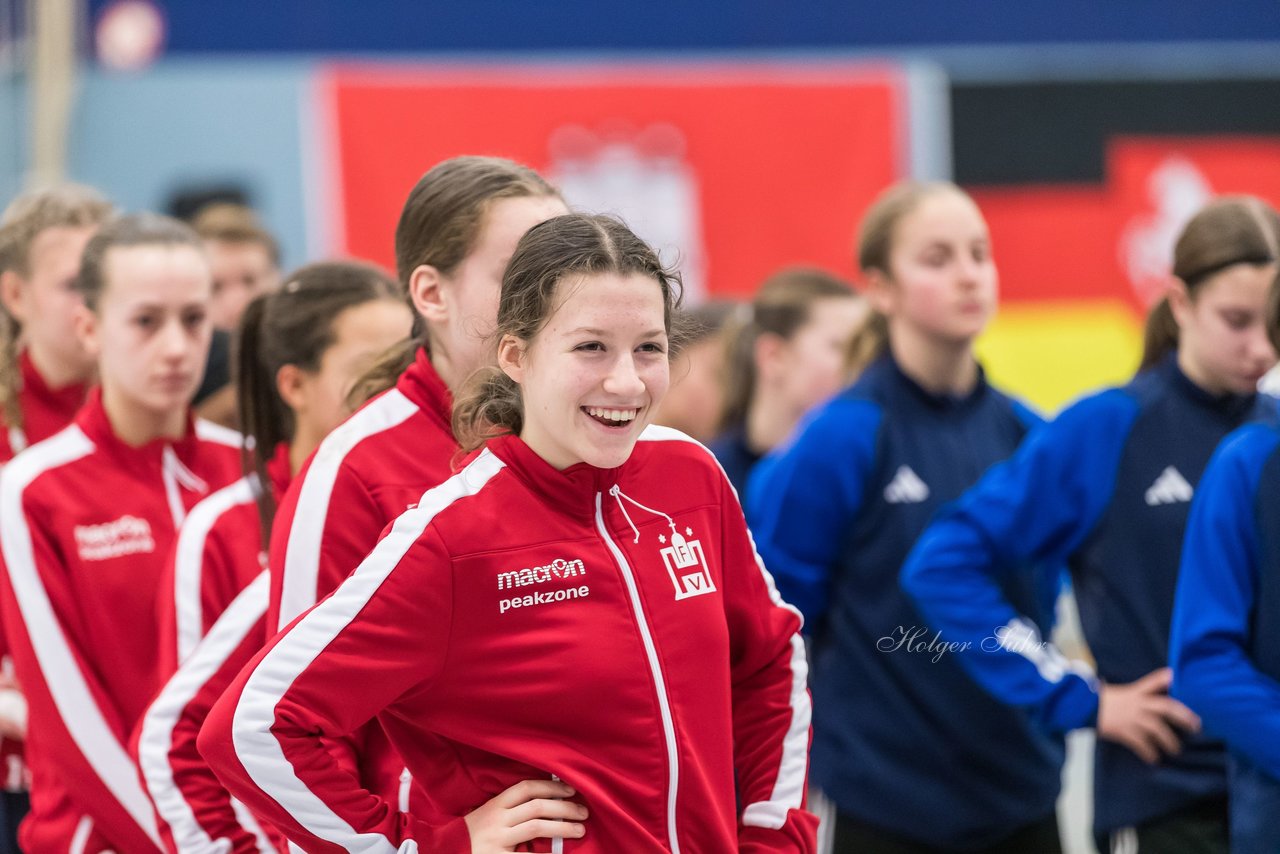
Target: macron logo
pixel 906 487
pixel 558 568
pixel 1170 488
pixel 125 536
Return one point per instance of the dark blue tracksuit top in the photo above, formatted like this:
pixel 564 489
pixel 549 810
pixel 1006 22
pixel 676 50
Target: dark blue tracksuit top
pixel 903 738
pixel 735 457
pixel 1225 644
pixel 1105 488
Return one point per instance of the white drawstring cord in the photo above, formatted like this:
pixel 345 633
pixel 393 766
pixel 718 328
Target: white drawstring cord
pixel 618 495
pixel 189 479
pixel 173 473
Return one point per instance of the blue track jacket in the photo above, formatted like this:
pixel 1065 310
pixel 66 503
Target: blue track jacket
pixel 1225 644
pixel 903 738
pixel 1105 488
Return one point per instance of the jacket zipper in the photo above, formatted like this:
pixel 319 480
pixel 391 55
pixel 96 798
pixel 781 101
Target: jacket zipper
pixel 660 682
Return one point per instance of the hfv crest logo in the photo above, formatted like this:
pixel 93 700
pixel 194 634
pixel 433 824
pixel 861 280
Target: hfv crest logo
pixel 687 566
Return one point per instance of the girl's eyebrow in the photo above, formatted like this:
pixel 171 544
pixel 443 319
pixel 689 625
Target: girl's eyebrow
pixel 600 333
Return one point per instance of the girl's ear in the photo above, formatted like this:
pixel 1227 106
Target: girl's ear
pixel 291 384
pixel 12 291
pixel 427 293
pixel 769 352
pixel 511 357
pixel 1180 302
pixel 88 330
pixel 880 293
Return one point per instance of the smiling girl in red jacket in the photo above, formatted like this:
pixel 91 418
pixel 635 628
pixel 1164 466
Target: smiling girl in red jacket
pixel 582 602
pixel 88 516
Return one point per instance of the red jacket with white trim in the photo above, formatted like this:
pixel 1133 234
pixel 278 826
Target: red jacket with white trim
pixel 613 628
pixel 364 474
pixel 87 523
pixel 218 552
pixel 216 562
pixel 45 411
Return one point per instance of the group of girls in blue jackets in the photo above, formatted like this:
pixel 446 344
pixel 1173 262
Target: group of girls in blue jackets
pixel 925 523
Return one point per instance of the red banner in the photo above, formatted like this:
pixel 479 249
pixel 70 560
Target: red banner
pixel 739 168
pixel 1115 241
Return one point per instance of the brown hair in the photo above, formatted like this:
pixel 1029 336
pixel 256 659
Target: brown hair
pixel 292 326
pixel 1229 230
pixel 876 237
pixel 140 229
pixel 1273 313
pixel 783 305
pixel 490 403
pixel 439 225
pixel 63 206
pixel 231 223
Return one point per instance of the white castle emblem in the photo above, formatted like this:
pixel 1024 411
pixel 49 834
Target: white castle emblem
pixel 687 566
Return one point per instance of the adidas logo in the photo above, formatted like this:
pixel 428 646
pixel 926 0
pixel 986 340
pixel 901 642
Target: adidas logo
pixel 906 487
pixel 1170 488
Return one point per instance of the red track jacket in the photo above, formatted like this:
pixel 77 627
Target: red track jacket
pixel 614 628
pixel 365 474
pixel 45 411
pixel 213 566
pixel 87 522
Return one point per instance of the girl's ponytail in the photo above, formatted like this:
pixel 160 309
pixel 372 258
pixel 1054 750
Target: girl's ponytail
pixel 264 418
pixel 1159 334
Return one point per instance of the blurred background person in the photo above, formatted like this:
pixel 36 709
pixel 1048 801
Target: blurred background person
pixel 694 401
pixel 1105 489
pixel 45 371
pixel 785 352
pixel 836 510
pixel 89 515
pixel 45 374
pixel 299 352
pixel 245 259
pixel 1224 647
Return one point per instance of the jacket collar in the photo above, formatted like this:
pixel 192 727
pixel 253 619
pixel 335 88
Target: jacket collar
pixel 572 491
pixel 422 385
pixel 941 402
pixel 1232 406
pixel 92 420
pixel 65 401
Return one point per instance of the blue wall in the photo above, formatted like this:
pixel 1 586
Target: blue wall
pixel 487 25
pixel 140 137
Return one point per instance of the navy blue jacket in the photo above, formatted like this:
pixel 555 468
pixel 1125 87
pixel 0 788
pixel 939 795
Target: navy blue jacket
pixel 903 738
pixel 735 457
pixel 1106 489
pixel 1225 644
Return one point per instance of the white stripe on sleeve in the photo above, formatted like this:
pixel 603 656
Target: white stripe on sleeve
pixel 188 559
pixel 208 431
pixel 66 683
pixel 156 737
pixel 255 744
pixel 302 556
pixel 789 785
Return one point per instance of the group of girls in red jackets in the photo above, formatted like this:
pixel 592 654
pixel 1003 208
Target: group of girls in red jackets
pixel 492 610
